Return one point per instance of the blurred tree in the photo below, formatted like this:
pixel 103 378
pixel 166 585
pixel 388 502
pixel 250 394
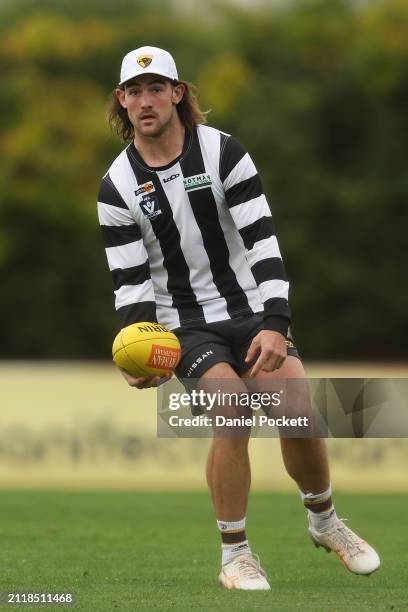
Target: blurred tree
pixel 317 91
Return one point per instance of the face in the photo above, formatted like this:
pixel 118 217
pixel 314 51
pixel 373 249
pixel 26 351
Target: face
pixel 150 101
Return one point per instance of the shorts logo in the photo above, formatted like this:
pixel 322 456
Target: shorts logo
pixel 145 188
pixel 198 181
pixel 197 362
pixel 144 60
pixel 150 206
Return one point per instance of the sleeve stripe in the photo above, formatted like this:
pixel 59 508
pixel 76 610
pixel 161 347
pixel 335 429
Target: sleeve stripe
pixel 126 255
pixel 247 213
pixel 118 235
pixel 133 294
pixel 264 270
pixel 258 230
pixel 112 215
pixel 276 287
pixel 247 189
pixel 131 276
pixel 134 313
pixel 108 194
pixel 244 169
pixel 231 153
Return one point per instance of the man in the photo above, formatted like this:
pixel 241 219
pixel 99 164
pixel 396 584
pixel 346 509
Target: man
pixel 191 244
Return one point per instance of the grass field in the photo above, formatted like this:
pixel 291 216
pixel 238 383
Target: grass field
pixel 160 551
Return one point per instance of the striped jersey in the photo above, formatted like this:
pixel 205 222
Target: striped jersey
pixel 192 242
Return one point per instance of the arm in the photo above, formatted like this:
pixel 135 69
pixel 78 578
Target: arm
pixel 252 216
pixel 128 263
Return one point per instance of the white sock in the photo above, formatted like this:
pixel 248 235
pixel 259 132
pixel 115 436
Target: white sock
pixel 322 521
pixel 319 521
pixel 231 550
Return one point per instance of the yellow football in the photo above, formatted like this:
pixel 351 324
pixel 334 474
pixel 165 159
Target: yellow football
pixel 146 349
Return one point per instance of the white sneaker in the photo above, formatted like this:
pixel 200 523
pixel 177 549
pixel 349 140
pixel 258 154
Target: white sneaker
pixel 244 572
pixel 358 556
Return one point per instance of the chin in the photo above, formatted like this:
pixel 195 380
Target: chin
pixel 150 131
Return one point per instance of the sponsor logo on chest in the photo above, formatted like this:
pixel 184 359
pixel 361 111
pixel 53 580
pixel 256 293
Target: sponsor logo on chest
pixel 171 178
pixel 145 188
pixel 198 181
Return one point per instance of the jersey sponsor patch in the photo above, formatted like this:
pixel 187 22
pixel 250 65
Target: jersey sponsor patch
pixel 145 188
pixel 198 181
pixel 150 206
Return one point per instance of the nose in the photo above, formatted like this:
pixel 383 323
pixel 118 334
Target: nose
pixel 145 101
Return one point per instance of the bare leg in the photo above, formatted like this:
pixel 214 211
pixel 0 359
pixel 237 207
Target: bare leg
pixel 229 477
pixel 228 468
pixel 306 462
pixel 305 459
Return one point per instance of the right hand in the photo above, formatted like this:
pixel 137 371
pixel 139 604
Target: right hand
pixel 144 383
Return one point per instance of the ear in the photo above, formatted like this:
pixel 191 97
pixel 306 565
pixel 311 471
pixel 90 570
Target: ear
pixel 178 93
pixel 120 94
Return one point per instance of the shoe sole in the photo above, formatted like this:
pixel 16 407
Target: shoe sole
pixel 327 549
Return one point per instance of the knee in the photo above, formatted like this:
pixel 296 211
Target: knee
pixel 232 443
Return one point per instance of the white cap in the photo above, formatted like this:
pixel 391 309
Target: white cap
pixel 148 60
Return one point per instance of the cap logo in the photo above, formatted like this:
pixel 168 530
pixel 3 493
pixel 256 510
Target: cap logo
pixel 144 60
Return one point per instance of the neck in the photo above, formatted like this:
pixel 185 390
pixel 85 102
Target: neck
pixel 161 149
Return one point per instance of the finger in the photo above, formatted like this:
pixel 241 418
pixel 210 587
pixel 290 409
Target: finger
pixel 140 383
pixel 281 362
pixel 134 381
pixel 163 380
pixel 272 363
pixel 257 367
pixel 155 381
pixel 252 351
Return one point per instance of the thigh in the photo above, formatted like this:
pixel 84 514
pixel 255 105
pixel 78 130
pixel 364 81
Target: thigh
pixel 291 383
pixel 292 368
pixel 228 412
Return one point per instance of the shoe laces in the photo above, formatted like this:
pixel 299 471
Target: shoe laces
pixel 346 538
pixel 250 566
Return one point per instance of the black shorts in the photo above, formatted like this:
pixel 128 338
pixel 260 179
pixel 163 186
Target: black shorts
pixel 204 345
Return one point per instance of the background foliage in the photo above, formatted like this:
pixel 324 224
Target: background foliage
pixel 317 91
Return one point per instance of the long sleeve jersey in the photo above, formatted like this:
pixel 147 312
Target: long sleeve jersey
pixel 192 242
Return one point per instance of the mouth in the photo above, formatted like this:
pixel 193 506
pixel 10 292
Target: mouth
pixel 147 117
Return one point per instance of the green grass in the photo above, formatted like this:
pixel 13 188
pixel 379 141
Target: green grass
pixel 160 551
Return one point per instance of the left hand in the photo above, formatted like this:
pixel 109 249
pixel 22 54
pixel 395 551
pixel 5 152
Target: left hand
pixel 273 351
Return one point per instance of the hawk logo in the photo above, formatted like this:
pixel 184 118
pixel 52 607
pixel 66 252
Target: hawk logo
pixel 144 60
pixel 150 206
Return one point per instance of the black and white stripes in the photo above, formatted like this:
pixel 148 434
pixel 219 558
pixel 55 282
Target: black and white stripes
pixel 192 241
